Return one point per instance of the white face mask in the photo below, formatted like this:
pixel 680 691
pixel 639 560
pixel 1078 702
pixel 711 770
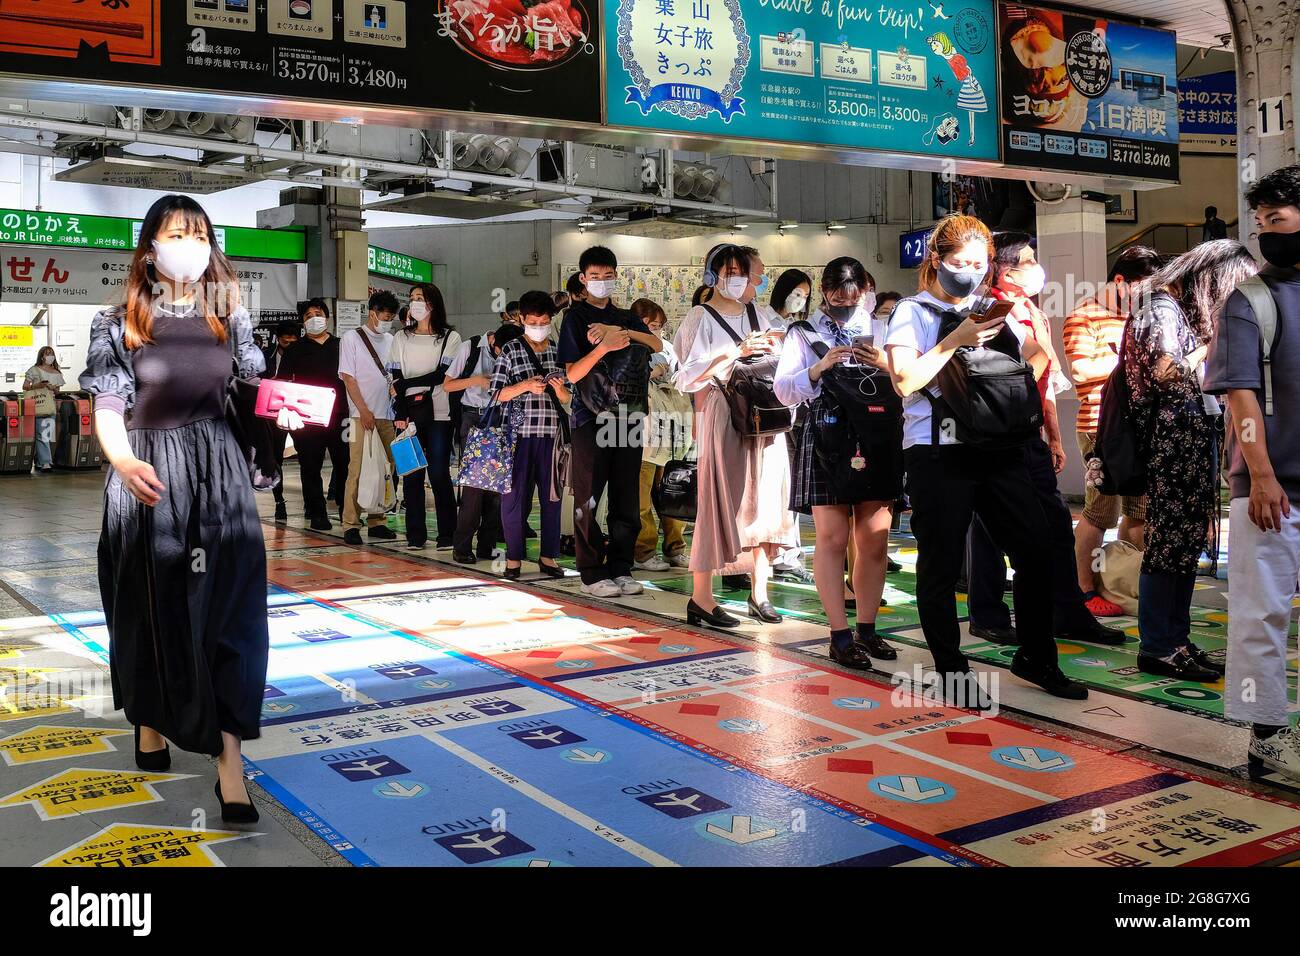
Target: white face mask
pixel 600 288
pixel 734 287
pixel 1032 280
pixel 795 302
pixel 538 333
pixel 314 325
pixel 184 260
pixel 418 310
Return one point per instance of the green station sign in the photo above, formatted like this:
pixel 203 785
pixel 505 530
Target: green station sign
pixel 28 227
pixel 398 265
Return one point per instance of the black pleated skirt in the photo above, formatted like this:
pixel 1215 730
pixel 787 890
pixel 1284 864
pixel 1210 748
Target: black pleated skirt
pixel 184 590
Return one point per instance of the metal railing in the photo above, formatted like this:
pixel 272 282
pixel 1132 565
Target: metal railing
pixel 1169 238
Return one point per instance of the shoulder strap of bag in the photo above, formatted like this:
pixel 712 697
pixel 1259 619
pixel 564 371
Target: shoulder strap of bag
pixel 753 316
pixel 810 336
pixel 555 401
pixel 473 358
pixel 371 349
pixel 717 317
pixel 1264 306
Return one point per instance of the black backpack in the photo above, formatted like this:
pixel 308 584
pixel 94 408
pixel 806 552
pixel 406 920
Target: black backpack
pixel 860 412
pixel 1119 444
pixel 755 409
pixel 989 392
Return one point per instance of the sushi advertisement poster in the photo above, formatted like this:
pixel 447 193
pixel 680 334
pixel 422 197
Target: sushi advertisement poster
pixel 531 58
pixel 897 76
pixel 1089 95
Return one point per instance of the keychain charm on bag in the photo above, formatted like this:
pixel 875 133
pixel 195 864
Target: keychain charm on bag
pixel 857 462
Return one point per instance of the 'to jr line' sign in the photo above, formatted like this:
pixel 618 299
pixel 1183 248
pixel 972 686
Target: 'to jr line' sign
pixel 398 265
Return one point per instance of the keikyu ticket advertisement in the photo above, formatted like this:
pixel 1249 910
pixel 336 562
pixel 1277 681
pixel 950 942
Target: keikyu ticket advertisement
pixel 1086 94
pixel 902 77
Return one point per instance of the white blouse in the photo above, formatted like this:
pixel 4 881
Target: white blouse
pixel 418 355
pixel 791 384
pixel 700 340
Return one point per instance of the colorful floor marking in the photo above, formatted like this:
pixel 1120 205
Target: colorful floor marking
pixel 133 845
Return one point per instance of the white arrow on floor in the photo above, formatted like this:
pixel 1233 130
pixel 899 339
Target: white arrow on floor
pixel 740 831
pixel 587 756
pixel 911 790
pixel 856 703
pixel 402 790
pixel 278 708
pixel 1029 758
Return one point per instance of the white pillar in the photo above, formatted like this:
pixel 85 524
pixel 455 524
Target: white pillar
pixel 1264 34
pixel 1072 248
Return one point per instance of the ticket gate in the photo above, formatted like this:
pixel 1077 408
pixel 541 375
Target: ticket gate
pixel 17 434
pixel 77 447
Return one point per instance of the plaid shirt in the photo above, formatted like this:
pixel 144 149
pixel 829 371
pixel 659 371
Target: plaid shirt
pixel 539 416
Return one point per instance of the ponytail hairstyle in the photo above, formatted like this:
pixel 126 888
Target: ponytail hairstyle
pixel 848 276
pixel 217 290
pixel 949 235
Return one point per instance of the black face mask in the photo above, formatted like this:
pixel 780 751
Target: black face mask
pixel 1280 249
pixel 840 313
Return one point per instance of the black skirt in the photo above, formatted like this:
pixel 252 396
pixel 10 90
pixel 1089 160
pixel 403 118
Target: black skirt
pixel 184 590
pixel 810 486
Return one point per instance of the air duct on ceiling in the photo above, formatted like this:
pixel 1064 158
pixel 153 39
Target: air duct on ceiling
pixel 200 124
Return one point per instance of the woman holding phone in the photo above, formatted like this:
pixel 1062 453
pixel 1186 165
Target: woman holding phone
pixel 743 515
pixel 182 564
pixel 843 340
pixel 948 481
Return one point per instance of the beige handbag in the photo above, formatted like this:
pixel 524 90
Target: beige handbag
pixel 1117 581
pixel 41 399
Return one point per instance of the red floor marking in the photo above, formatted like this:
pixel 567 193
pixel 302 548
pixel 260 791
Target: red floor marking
pixel 699 710
pixel 976 740
pixel 845 765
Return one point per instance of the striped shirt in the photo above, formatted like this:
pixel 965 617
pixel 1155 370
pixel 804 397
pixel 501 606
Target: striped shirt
pixel 1092 332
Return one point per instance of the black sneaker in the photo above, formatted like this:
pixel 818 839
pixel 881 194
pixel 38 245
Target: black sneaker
pixel 463 558
pixel 892 566
pixel 321 524
pixel 1182 666
pixel 352 536
pixel 382 532
pixel 1050 679
pixel 998 635
pixel 442 545
pixel 794 576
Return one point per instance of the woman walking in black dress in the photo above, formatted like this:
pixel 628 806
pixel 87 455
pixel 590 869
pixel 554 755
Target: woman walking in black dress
pixel 182 565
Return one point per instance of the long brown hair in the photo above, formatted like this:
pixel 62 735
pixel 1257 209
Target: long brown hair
pixel 218 289
pixel 949 235
pixel 1201 281
pixel 437 307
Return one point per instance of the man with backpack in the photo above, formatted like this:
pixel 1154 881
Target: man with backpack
pixel 1256 364
pixel 1017 279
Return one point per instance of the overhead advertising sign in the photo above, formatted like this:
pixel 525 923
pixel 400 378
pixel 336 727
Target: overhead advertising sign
pixel 1207 113
pixel 98 277
pixel 894 76
pixel 1085 94
pixel 398 265
pixel 511 57
pixel 32 228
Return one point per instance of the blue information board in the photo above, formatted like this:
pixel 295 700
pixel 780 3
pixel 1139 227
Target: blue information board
pixel 911 247
pixel 903 77
pixel 1207 113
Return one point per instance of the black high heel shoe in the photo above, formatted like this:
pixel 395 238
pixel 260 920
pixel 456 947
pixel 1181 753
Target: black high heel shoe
pixel 715 618
pixel 153 761
pixel 512 574
pixel 235 812
pixel 764 612
pixel 551 570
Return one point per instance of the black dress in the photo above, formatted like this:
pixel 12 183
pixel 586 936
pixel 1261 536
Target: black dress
pixel 183 582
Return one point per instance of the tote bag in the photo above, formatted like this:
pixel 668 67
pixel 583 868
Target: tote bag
pixel 375 493
pixel 488 459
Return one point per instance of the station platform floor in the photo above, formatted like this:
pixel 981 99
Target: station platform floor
pixel 422 713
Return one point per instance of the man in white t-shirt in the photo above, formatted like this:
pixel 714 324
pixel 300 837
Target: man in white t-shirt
pixel 364 373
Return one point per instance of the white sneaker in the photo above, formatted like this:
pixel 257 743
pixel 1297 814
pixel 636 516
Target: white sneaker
pixel 680 560
pixel 628 585
pixel 1281 752
pixel 652 563
pixel 603 589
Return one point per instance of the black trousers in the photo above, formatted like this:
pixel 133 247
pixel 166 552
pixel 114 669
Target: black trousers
pixel 312 445
pixel 435 437
pixel 987 570
pixel 946 490
pixel 614 470
pixel 480 511
pixel 278 440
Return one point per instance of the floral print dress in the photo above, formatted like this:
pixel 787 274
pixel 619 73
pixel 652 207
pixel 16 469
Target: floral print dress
pixel 1178 424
